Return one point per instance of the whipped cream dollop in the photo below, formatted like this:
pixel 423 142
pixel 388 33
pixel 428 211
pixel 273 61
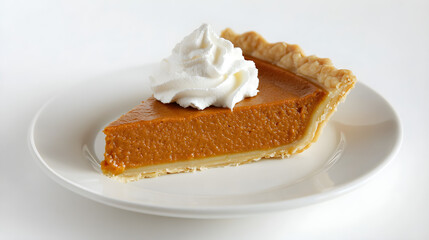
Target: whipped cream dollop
pixel 203 70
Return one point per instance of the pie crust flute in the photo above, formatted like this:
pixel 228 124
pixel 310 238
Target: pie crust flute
pixel 155 139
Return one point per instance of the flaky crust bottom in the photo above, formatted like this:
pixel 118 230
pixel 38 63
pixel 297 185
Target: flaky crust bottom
pixel 337 82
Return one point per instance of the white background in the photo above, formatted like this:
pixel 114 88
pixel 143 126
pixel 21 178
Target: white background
pixel 46 46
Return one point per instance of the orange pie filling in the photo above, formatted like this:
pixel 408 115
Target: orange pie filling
pixel 154 133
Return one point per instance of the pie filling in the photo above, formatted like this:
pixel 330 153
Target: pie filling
pixel 155 134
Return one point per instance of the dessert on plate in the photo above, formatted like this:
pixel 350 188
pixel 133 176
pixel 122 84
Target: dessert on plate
pixel 222 101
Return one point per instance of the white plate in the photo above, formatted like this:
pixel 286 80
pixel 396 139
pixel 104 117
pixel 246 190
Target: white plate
pixel 66 138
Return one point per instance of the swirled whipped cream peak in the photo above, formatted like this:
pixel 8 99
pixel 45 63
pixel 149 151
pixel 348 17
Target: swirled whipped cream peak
pixel 205 70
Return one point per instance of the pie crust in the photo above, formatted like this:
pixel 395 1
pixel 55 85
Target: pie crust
pixel 337 82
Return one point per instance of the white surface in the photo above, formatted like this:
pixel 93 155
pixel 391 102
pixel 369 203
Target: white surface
pixel 66 137
pixel 47 45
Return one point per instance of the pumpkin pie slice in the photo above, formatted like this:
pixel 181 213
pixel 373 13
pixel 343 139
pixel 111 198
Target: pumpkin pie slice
pixel 297 95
